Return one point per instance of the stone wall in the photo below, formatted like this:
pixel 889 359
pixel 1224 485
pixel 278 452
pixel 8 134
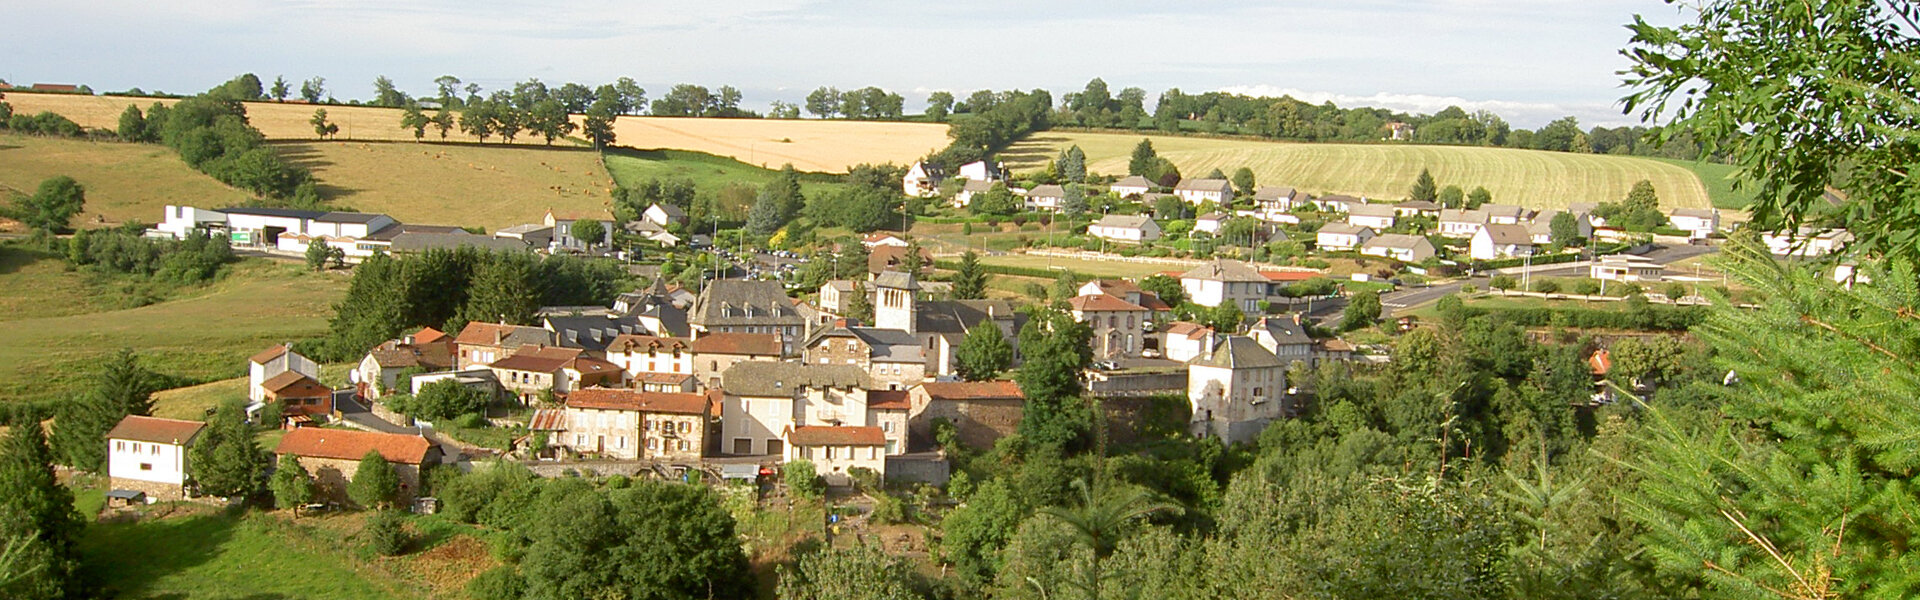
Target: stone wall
pixel 980 423
pixel 163 492
pixel 331 476
pixel 925 467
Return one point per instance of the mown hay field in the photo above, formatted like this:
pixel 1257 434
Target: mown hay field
pixel 124 182
pixel 1532 178
pixel 455 184
pixel 811 145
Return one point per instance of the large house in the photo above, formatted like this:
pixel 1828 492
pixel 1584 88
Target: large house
pixel 638 354
pixel 1627 267
pixel 273 362
pixel 971 188
pixel 664 215
pixel 1417 208
pixel 741 306
pixel 1807 241
pixel 1461 223
pixel 1341 236
pixel 1126 229
pixel 535 371
pixel 922 180
pixel 764 401
pixel 1195 191
pixel 1133 185
pixel 836 451
pixel 714 353
pixel 892 358
pixel 1399 246
pixel 1278 199
pixel 1285 337
pixel 1119 326
pixel 1376 216
pixel 1045 197
pixel 563 238
pixel 938 326
pixel 1699 223
pixel 981 170
pixel 379 371
pixel 1501 241
pixel 332 457
pixel 1504 214
pixel 149 455
pixel 1223 280
pixel 1236 390
pixel 479 344
pixel 634 424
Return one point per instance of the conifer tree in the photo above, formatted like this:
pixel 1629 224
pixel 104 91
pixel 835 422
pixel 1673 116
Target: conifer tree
pixel 36 508
pixel 225 459
pixel 80 428
pixel 1424 189
pixel 860 307
pixel 970 280
pixel 502 290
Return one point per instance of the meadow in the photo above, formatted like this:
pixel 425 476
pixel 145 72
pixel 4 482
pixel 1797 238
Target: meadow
pixel 455 184
pixel 1533 178
pixel 59 324
pixel 810 145
pixel 125 182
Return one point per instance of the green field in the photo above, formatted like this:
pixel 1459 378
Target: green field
pixel 61 323
pixel 1532 178
pixel 124 181
pixel 1719 180
pixel 489 186
pixel 218 556
pixel 631 167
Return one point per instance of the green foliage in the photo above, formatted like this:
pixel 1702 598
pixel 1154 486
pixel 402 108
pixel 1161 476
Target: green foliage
pixel 122 387
pixel 969 281
pixel 589 232
pixel 1243 182
pixel 51 207
pixel 859 208
pixel 1640 211
pixel 1225 318
pixel 196 259
pixel 858 573
pixel 292 486
pixel 1072 165
pixel 1142 160
pixel 1363 308
pixel 1503 282
pixel 802 480
pixel 386 533
pixel 38 510
pixel 1451 197
pixel 1478 197
pixel 46 123
pixel 1546 286
pixel 974 533
pixel 1056 350
pixel 1423 189
pixel 652 540
pixel 995 201
pixel 1674 291
pixel 983 354
pixel 225 459
pixel 375 485
pixel 446 399
pixel 859 304
pixel 1167 288
pixel 499 583
pixel 1847 118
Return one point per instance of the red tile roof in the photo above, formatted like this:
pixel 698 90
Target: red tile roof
pixel 588 365
pixel 268 354
pixel 1291 275
pixel 837 436
pixel 1187 330
pixel 1102 302
pixel 285 380
pixel 754 344
pixel 888 400
pixel 1601 361
pixel 533 363
pixel 639 401
pixel 973 390
pixel 154 429
pixel 662 377
pixel 1153 302
pixel 487 334
pixel 344 444
pixel 1117 287
pixel 429 335
pixel 547 419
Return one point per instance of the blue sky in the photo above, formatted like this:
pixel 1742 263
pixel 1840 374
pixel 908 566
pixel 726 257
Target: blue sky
pixel 1529 60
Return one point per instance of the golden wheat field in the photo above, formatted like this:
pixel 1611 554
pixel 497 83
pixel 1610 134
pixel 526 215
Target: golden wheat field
pixel 811 145
pixel 455 184
pixel 124 182
pixel 1533 178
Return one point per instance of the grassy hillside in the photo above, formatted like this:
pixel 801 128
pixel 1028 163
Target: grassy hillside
pixel 1528 177
pixel 1719 180
pixel 707 171
pixel 455 184
pixel 124 181
pixel 60 323
pixel 811 145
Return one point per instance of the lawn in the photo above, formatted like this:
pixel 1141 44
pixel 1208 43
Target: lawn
pixel 202 334
pixel 455 184
pixel 811 145
pixel 1093 268
pixel 124 181
pixel 707 171
pixel 1533 178
pixel 1719 179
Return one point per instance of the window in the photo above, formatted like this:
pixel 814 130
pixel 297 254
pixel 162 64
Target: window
pixel 153 448
pixel 620 442
pixel 829 452
pixel 684 445
pixel 579 439
pixel 119 446
pixel 146 466
pixel 685 427
pixel 886 426
pixel 653 444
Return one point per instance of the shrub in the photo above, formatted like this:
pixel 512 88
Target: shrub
pixel 1503 282
pixel 1675 291
pixel 386 533
pixel 888 510
pixel 802 480
pixel 1546 286
pixel 1586 287
pixel 865 479
pixel 499 583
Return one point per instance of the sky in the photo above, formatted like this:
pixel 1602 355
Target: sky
pixel 1531 61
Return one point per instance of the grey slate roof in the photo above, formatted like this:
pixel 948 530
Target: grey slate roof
pixel 975 185
pixel 1285 332
pixel 1396 240
pixel 899 280
pixel 1239 352
pixel 1450 215
pixel 781 379
pixel 387 233
pixel 1371 210
pixel 592 333
pixel 1221 269
pixel 1124 221
pixel 1205 185
pixel 1343 228
pixel 1134 181
pixel 1047 191
pixel 1417 205
pixel 957 316
pixel 1508 235
pixel 1273 193
pixel 1504 210
pixel 348 217
pixel 742 302
pixel 273 212
pixel 419 242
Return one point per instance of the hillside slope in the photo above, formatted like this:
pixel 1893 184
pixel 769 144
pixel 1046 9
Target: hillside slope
pixel 1532 178
pixel 124 181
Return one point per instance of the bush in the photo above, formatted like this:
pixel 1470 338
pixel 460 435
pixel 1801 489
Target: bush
pixel 1546 286
pixel 1586 287
pixel 386 533
pixel 1503 282
pixel 888 510
pixel 499 583
pixel 1675 291
pixel 802 480
pixel 865 479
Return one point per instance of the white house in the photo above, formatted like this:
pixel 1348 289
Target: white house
pixel 1119 326
pixel 922 180
pixel 967 191
pixel 1342 236
pixel 1222 280
pixel 1501 241
pixel 149 455
pixel 882 238
pixel 1195 191
pixel 1045 197
pixel 274 361
pixel 563 231
pixel 664 215
pixel 1127 229
pixel 1210 222
pixel 1285 337
pixel 1417 208
pixel 1461 223
pixel 765 401
pixel 1627 267
pixel 836 450
pixel 1278 199
pixel 1376 216
pixel 348 225
pixel 1184 341
pixel 1807 241
pixel 1236 390
pixel 1133 185
pixel 1699 223
pixel 1399 246
pixel 1541 227
pixel 1338 203
pixel 180 221
pixel 1504 214
pixel 981 170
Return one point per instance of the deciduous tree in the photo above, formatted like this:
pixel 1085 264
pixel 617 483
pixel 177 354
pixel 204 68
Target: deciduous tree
pixel 320 125
pixel 291 484
pixel 51 207
pixel 375 485
pixel 983 354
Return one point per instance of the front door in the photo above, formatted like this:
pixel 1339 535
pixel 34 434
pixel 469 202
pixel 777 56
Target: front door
pixel 600 444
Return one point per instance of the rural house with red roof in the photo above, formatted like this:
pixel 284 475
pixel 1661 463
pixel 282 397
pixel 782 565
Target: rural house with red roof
pixel 533 371
pixel 332 456
pixel 379 371
pixel 298 395
pixel 148 455
pixel 274 361
pixel 633 424
pixel 836 451
pixel 981 412
pixel 1119 326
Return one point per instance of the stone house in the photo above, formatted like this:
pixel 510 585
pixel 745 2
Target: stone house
pixel 632 424
pixel 1236 390
pixel 714 353
pixel 836 451
pixel 332 457
pixel 479 344
pixel 762 402
pixel 892 358
pixel 1119 326
pixel 981 412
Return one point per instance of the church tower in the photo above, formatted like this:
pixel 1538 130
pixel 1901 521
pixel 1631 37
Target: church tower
pixel 893 300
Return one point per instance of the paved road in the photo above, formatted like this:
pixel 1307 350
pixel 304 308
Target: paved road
pixel 1412 297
